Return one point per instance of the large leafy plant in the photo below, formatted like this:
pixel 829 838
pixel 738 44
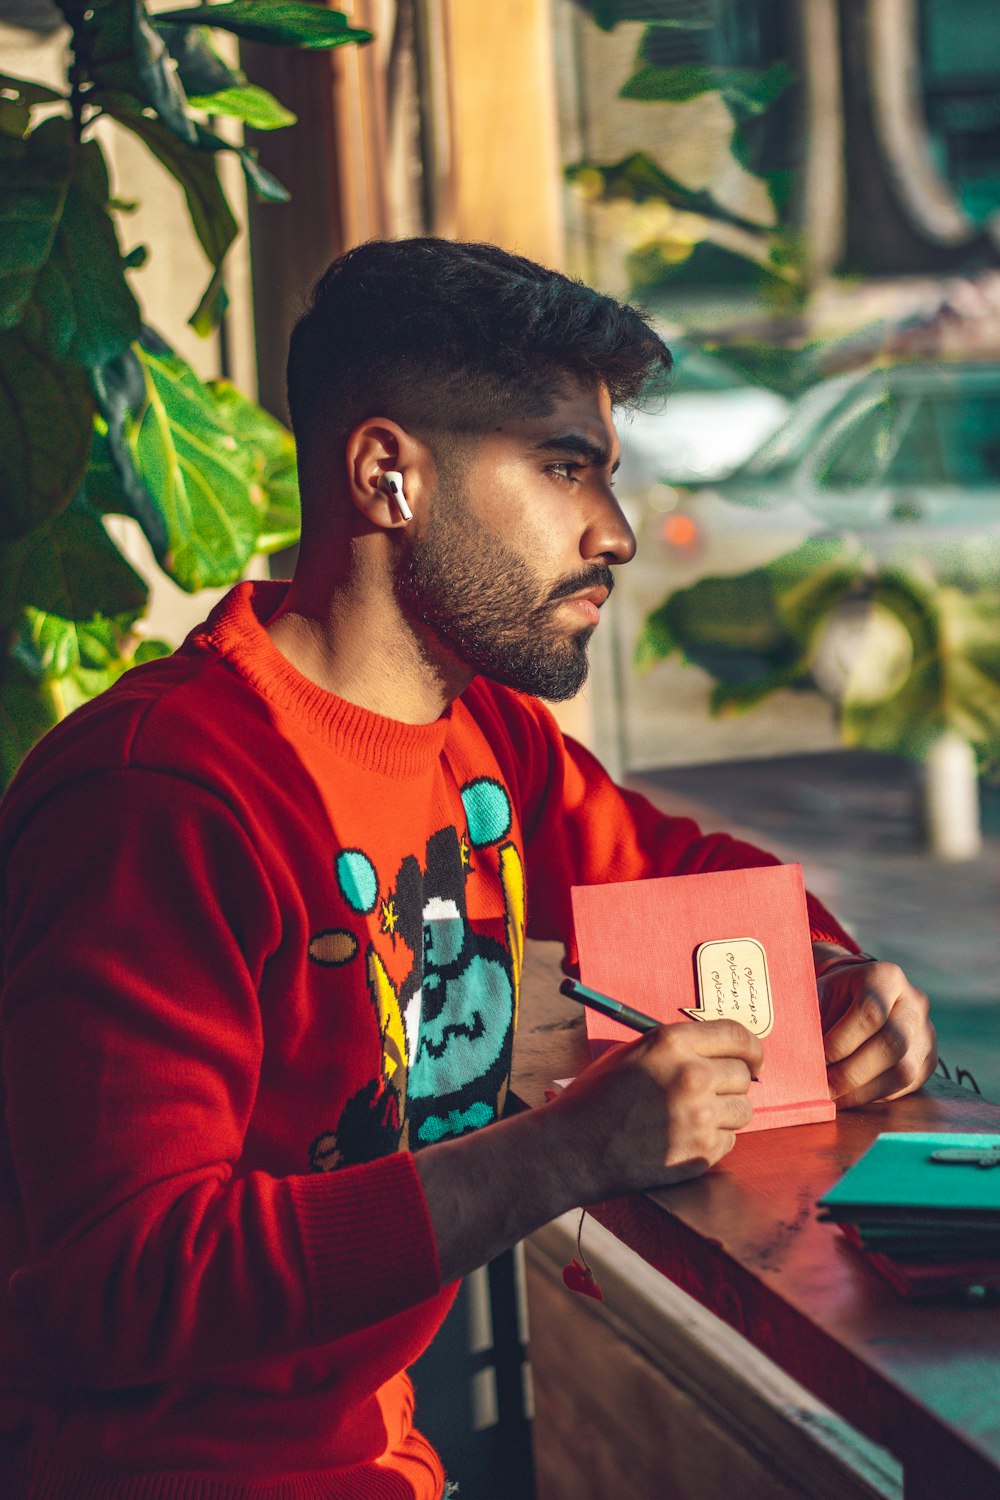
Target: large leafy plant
pixel 906 657
pixel 98 416
pixel 765 251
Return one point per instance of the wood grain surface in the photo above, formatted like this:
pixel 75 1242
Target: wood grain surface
pixel 745 1240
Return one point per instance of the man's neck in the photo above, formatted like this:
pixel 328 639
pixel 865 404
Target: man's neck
pixel 354 641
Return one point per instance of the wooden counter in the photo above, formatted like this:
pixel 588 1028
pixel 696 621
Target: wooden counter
pixel 923 1379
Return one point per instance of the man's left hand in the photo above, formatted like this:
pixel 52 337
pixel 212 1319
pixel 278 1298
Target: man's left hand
pixel 883 1044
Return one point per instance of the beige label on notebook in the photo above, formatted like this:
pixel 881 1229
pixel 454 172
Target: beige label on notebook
pixel 733 984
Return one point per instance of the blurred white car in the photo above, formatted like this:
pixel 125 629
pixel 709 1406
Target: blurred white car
pixel 905 458
pixel 701 436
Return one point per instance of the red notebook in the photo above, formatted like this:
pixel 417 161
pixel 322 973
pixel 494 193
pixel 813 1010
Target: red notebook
pixel 927 1278
pixel 727 943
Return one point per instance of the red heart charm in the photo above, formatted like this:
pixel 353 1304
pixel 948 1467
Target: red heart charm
pixel 580 1278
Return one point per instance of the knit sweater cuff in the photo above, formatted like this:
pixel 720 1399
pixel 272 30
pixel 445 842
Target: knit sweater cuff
pixel 366 1235
pixel 824 928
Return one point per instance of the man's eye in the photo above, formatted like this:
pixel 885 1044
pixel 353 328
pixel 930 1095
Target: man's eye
pixel 565 471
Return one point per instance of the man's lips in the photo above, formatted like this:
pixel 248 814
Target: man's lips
pixel 589 602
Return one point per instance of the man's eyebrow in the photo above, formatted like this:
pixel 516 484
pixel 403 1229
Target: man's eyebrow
pixel 583 447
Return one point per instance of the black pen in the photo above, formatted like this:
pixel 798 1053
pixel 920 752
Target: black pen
pixel 636 1020
pixel 594 1000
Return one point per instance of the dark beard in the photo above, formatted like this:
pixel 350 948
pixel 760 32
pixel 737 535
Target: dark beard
pixel 483 601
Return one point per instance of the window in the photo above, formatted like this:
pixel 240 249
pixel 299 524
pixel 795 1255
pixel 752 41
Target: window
pixel 955 440
pixel 862 450
pixel 960 46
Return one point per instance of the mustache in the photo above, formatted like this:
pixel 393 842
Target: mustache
pixel 599 576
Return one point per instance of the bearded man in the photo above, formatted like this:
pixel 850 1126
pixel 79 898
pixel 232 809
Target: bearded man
pixel 265 910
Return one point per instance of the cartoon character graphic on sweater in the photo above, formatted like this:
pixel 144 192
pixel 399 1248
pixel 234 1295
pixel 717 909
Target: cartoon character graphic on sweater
pixel 447 1029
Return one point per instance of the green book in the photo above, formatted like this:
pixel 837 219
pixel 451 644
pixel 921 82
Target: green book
pixel 898 1180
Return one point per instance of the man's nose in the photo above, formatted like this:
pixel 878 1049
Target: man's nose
pixel 608 536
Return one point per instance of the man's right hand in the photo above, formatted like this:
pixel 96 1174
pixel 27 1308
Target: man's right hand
pixel 660 1109
pixel 648 1113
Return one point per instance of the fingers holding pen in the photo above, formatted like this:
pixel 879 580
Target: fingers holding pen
pixel 666 1106
pixel 720 1059
pixel 723 1041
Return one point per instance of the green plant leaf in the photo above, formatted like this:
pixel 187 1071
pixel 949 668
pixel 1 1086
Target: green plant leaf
pixel 47 646
pixel 218 89
pixel 780 368
pixel 193 168
pixel 15 117
pixel 727 626
pixel 112 480
pixel 275 480
pixel 201 69
pixel 18 96
pixel 56 587
pixel 69 567
pixel 954 680
pixel 247 102
pixel 82 308
pixel 638 178
pixel 69 602
pixel 198 474
pixel 209 312
pixel 65 666
pixel 119 52
pixel 753 150
pixel 748 94
pixel 811 581
pixel 61 269
pixel 102 482
pixel 673 85
pixel 46 417
pixel 701 262
pixel 656 640
pixel 752 631
pixel 35 176
pixel 284 23
pixel 746 91
pixel 740 697
pixel 29 91
pixel 262 182
pixel 150 649
pixel 27 710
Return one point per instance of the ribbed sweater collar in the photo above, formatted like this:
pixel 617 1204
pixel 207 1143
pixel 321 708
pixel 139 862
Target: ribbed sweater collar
pixel 235 631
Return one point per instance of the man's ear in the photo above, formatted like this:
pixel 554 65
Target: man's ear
pixel 378 447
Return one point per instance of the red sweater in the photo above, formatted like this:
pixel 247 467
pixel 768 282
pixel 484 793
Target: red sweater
pixel 259 945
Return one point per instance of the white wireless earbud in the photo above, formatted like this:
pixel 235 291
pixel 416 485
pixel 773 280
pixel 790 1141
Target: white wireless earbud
pixel 392 480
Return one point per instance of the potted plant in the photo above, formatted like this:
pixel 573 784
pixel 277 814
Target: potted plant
pixel 98 415
pixel 910 664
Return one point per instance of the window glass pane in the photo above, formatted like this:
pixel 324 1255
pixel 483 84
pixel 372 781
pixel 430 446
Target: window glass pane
pixel 861 453
pixel 961 40
pixel 795 437
pixel 956 440
pixel 919 456
pixel 961 61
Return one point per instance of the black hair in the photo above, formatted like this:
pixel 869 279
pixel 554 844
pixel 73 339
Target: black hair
pixel 453 338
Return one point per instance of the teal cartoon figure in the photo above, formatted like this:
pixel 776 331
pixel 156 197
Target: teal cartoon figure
pixel 462 1062
pixel 447 1030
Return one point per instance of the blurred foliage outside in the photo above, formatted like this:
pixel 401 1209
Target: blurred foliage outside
pixel 98 416
pixel 926 648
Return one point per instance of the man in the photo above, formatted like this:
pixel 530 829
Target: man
pixel 264 914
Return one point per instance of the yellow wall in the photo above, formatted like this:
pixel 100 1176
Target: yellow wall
pixel 507 180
